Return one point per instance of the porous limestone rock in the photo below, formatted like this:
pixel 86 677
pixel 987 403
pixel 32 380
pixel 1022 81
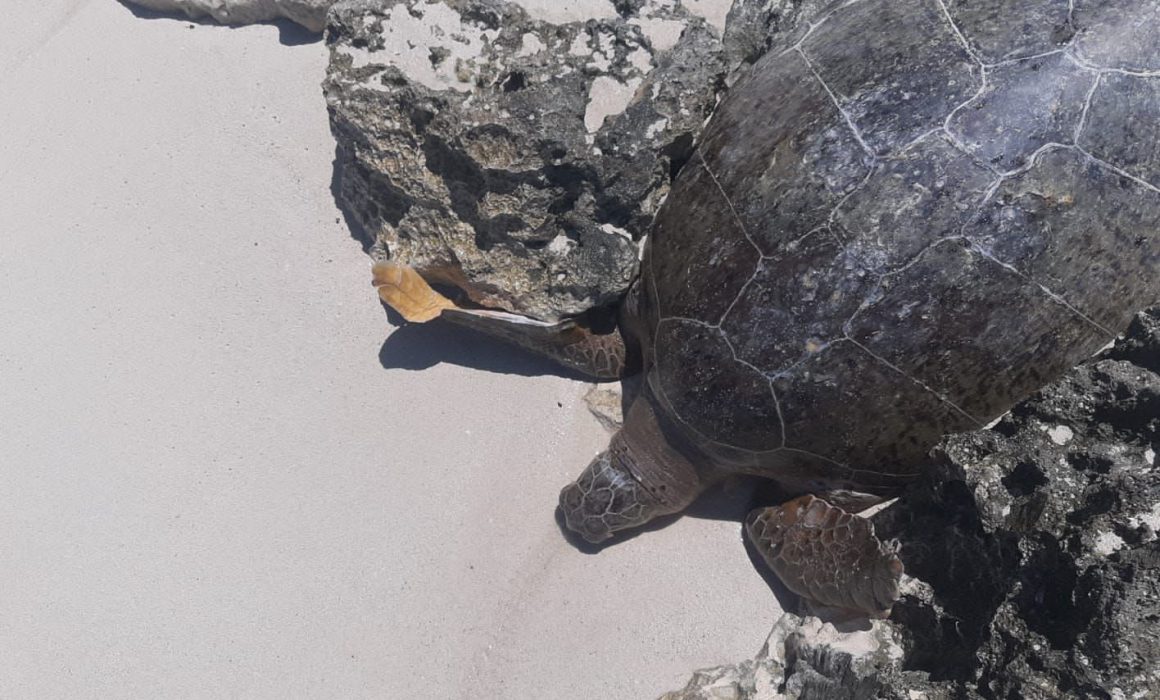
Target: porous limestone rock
pixel 515 160
pixel 1032 556
pixel 309 13
pixel 804 657
pixel 604 403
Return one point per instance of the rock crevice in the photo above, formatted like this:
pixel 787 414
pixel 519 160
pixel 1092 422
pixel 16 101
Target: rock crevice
pixel 1032 556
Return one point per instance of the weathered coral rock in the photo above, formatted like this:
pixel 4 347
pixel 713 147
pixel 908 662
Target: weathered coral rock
pixel 604 403
pixel 1032 558
pixel 513 159
pixel 309 13
pixel 803 658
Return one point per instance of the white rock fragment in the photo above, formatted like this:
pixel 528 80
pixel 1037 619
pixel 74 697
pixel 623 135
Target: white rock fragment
pixel 661 33
pixel 616 230
pixel 1151 519
pixel 1107 543
pixel 714 11
pixel 531 45
pixel 563 11
pixel 579 45
pixel 656 128
pixel 410 41
pixel 607 98
pixel 1060 434
pixel 561 244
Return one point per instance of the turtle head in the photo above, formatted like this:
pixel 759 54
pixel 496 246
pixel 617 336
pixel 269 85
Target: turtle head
pixel 607 497
pixel 638 478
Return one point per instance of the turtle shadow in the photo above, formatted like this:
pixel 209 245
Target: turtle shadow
pixel 419 346
pixel 289 33
pixel 585 547
pixel 786 599
pixel 730 500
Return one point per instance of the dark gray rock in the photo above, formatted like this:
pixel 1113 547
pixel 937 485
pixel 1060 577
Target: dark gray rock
pixel 1040 542
pixel 513 159
pixel 309 13
pixel 1032 557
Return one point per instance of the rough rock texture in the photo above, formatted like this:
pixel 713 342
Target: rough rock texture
pixel 309 13
pixel 821 658
pixel 1032 558
pixel 514 159
pixel 604 403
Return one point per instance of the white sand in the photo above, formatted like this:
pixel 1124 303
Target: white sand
pixel 209 486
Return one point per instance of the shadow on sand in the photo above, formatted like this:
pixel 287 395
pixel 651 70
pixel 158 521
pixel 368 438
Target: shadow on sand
pixel 289 33
pixel 730 500
pixel 417 346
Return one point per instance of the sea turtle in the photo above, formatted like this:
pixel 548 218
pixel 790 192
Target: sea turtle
pixel 903 219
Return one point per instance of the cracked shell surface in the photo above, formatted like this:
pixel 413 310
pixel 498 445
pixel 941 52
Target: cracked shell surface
pixel 876 247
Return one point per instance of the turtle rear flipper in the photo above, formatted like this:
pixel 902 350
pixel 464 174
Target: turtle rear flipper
pixel 575 346
pixel 827 555
pixel 405 291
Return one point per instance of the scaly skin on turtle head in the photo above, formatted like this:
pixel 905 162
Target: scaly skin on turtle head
pixel 638 478
pixel 608 497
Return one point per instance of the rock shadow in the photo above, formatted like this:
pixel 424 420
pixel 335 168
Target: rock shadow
pixel 289 33
pixel 357 231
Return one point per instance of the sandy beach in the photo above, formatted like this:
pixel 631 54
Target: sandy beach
pixel 222 475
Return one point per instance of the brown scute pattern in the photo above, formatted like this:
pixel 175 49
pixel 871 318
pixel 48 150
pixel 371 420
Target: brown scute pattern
pixel 938 322
pixel 809 161
pixel 869 415
pixel 827 555
pixel 1123 124
pixel 601 356
pixel 575 346
pixel 1081 230
pixel 605 498
pixel 1023 106
pixel 805 292
pixel 922 195
pixel 712 393
pixel 1119 34
pixel 905 71
pixel 1001 30
pixel 717 244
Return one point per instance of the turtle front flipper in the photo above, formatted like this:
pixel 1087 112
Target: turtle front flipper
pixel 573 345
pixel 827 555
